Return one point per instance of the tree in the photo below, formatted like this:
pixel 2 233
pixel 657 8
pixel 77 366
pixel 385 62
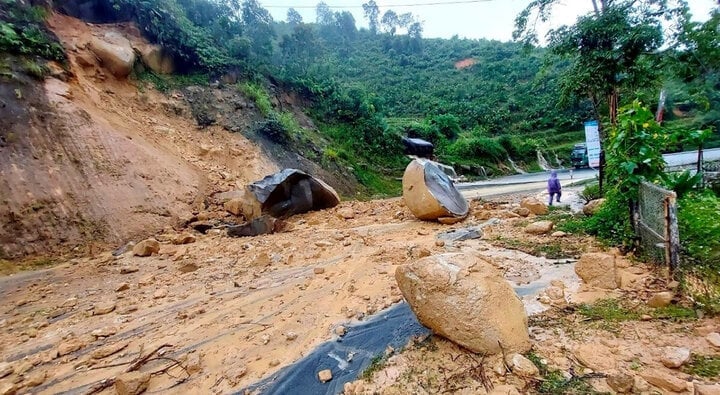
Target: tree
pixel 259 27
pixel 293 17
pixel 324 15
pixel 372 13
pixel 390 21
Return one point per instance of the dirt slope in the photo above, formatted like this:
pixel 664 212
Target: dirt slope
pixel 94 159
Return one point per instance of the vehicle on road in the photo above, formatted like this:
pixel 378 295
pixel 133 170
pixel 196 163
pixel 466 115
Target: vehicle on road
pixel 579 156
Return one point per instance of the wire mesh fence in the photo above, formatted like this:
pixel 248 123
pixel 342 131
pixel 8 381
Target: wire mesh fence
pixel 657 226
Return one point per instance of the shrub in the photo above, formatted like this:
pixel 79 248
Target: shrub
pixel 611 223
pixel 23 32
pixel 591 192
pixel 258 95
pixel 699 228
pixel 478 147
pixel 273 129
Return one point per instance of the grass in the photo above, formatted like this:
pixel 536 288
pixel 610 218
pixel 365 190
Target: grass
pixel 376 365
pixel 703 366
pixel 167 83
pixel 378 185
pixel 608 310
pixel 554 382
pixel 258 95
pixel 551 249
pixel 9 267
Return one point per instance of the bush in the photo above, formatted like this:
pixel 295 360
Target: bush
pixel 273 129
pixel 591 192
pixel 23 32
pixel 611 224
pixel 478 147
pixel 699 227
pixel 258 95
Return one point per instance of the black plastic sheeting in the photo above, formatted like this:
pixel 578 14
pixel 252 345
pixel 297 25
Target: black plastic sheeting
pixel 292 191
pixel 443 189
pixel 347 357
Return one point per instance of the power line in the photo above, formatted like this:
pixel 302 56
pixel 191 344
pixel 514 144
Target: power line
pixel 455 2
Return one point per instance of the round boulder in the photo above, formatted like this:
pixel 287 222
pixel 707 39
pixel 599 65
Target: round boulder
pixel 115 53
pixel 534 205
pixel 430 194
pixel 465 299
pixel 593 206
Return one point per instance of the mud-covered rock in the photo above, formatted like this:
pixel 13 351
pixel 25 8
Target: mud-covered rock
pixel 430 194
pixel 132 383
pixel 621 383
pixel 675 357
pixel 534 205
pixel 664 381
pixel 539 228
pixel 593 206
pixel 597 270
pixel 660 299
pixel 115 53
pixel 465 298
pixel 146 247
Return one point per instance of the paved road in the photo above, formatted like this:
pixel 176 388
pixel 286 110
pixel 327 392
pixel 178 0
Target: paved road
pixel 537 181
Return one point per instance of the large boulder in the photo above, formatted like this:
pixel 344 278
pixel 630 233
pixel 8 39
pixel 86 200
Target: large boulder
pixel 597 270
pixel 245 205
pixel 466 299
pixel 430 194
pixel 115 53
pixel 290 192
pixel 593 206
pixel 156 58
pixel 534 205
pixel 539 228
pixel 146 247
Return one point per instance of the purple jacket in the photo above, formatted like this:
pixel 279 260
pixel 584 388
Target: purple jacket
pixel 553 183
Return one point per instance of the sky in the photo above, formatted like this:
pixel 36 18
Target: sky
pixel 490 19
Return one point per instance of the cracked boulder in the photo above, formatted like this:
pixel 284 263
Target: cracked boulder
pixel 431 195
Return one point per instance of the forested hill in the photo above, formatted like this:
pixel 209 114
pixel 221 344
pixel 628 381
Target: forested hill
pixel 481 102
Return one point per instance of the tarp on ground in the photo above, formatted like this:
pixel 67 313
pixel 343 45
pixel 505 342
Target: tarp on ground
pixel 292 191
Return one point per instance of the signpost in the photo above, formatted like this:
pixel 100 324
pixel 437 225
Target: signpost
pixel 592 142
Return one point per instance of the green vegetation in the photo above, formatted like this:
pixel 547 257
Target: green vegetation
pixel 257 94
pixel 376 365
pixel 166 83
pixel 703 366
pixel 554 382
pixel 23 32
pixel 608 310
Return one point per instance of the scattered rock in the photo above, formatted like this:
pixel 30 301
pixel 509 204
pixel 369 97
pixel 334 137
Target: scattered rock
pixel 122 287
pixel 597 270
pixel 8 388
pixel 522 366
pixel 160 293
pixel 674 357
pixel 274 362
pixel 105 331
pixel 707 389
pixel 664 381
pixel 35 378
pixel 555 293
pixel 534 205
pixel 102 308
pixel 234 376
pixel 430 194
pixel 85 60
pixel 108 350
pixel 539 228
pixel 70 346
pixel 621 382
pixel 325 375
pixel 128 269
pixel 340 330
pixel 439 243
pixel 156 58
pixel 593 206
pixel 146 247
pixel 465 299
pixel 193 363
pixel 258 226
pixel 184 239
pixel 115 53
pixel 713 339
pixel 595 356
pixel 6 369
pixel 522 211
pixel 346 213
pixel 646 317
pixel 132 383
pixel 188 267
pixel 290 336
pixel 559 234
pixel 660 299
pixel 319 270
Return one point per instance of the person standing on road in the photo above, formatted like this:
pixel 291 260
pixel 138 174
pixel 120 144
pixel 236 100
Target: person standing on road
pixel 554 187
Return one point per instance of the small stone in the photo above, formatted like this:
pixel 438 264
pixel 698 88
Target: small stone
pixel 674 357
pixel 539 228
pixel 132 383
pixel 522 366
pixel 146 247
pixel 707 389
pixel 69 346
pixel 188 267
pixel 340 330
pixel 319 270
pixel 183 239
pixel 325 375
pixel 102 308
pixel 621 382
pixel 105 332
pixel 8 388
pixel 323 243
pixel 522 211
pixel 6 369
pixel 346 213
pixel 673 285
pixel 559 234
pixel 34 379
pixel 290 336
pixel 193 363
pixel 274 362
pixel 555 293
pixel 234 376
pixel 422 253
pixel 108 350
pixel 122 287
pixel 714 339
pixel 160 293
pixel 664 381
pixel 440 243
pixel 660 299
pixel 128 269
pixel 265 338
pixel 646 317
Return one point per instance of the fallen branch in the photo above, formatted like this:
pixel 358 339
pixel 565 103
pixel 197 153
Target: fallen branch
pixel 137 364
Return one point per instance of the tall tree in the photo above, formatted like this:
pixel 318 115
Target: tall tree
pixel 293 17
pixel 390 21
pixel 372 13
pixel 259 27
pixel 323 14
